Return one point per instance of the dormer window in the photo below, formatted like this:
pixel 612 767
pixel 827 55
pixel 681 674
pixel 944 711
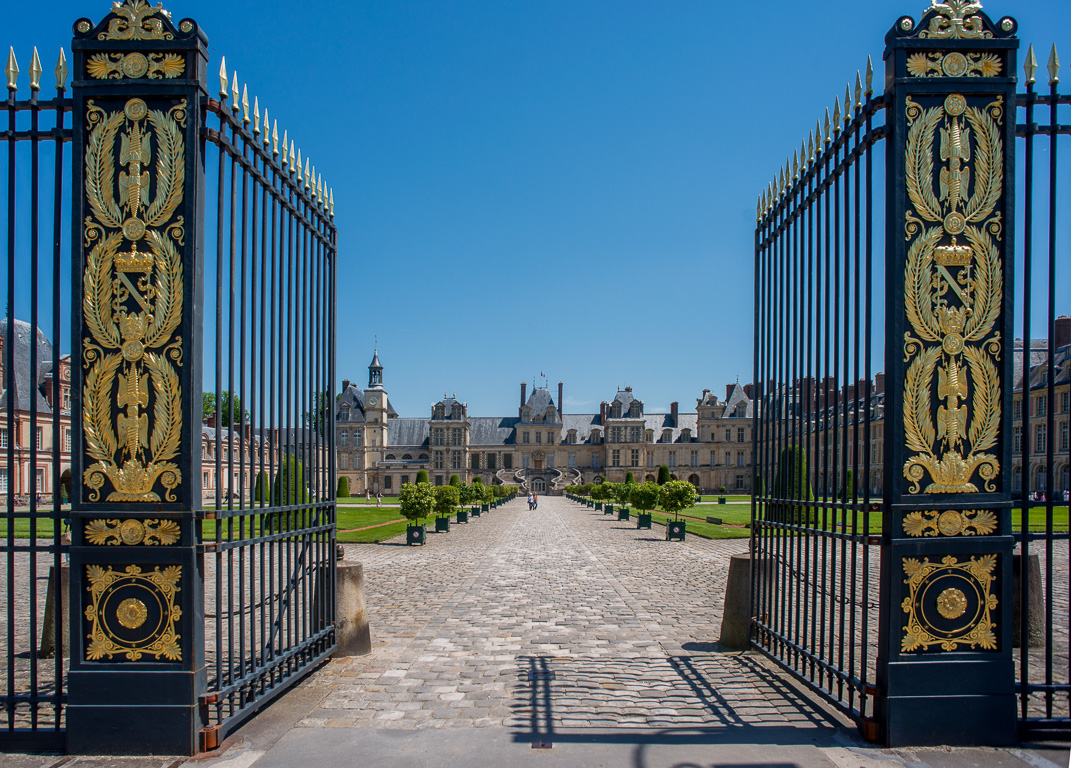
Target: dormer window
pixel 667 435
pixel 741 411
pixel 344 414
pixel 615 411
pixel 634 411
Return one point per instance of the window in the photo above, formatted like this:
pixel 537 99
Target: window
pixel 455 459
pixel 635 458
pixel 650 459
pixel 550 438
pixel 634 434
pixel 343 462
pixel 358 462
pixel 474 461
pixel 405 479
pixel 1017 479
pixel 672 458
pixel 40 478
pixel 728 435
pixel 525 439
pixel 1017 439
pixel 695 458
pixel 1043 405
pixel 343 438
pixel 615 458
pixel 1039 438
pixel 65 398
pixel 572 461
pixel 204 479
pixel 3 480
pixel 455 437
pixel 438 462
pixel 713 459
pixel 524 461
pixel 539 438
pixel 740 435
pixel 438 479
pixel 490 461
pixel 358 437
pixel 386 483
pixel 37 437
pixel 616 434
pixel 1018 409
pixel 594 461
pixel 571 437
pixel 728 458
pixel 507 461
pixel 3 437
pixel 740 459
pixel 1063 436
pixel 436 437
pixel 1065 402
pixel 739 481
pixel 550 461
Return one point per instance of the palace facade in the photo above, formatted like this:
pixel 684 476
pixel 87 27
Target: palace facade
pixel 541 448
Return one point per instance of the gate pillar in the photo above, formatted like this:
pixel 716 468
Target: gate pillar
pixel 137 614
pixel 944 664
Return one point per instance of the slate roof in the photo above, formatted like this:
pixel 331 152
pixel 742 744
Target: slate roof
pixel 739 396
pixel 1039 352
pixel 24 389
pixel 539 401
pixel 625 397
pixel 1062 362
pixel 353 396
pixel 408 432
pixel 492 430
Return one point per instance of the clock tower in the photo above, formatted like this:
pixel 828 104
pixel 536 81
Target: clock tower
pixel 375 412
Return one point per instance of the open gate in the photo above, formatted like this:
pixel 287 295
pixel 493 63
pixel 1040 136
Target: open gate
pixel 910 560
pixel 190 429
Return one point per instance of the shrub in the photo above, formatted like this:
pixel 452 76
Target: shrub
pixel 721 489
pixel 645 496
pixel 422 477
pixel 848 492
pixel 343 488
pixel 447 497
pixel 455 480
pixel 663 475
pixel 289 486
pixel 791 483
pixel 677 495
pixel 469 494
pixel 417 501
pixel 622 491
pixel 487 494
pixel 629 478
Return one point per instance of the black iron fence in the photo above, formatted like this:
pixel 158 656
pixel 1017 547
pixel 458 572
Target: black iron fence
pixel 35 402
pixel 815 591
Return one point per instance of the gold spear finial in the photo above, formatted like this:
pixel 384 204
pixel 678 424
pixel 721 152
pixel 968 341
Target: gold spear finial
pixel 234 92
pixel 817 138
pixel 1031 65
pixel 274 135
pixel 245 104
pixel 294 169
pixel 35 71
pixel 12 70
pixel 306 179
pixel 300 176
pixel 810 146
pixel 795 165
pixel 758 209
pixel 803 154
pixel 858 92
pixel 331 202
pixel 847 102
pixel 222 78
pixel 869 76
pixel 1054 66
pixel 836 115
pixel 827 139
pixel 310 179
pixel 320 188
pixel 256 116
pixel 61 71
pixel 285 159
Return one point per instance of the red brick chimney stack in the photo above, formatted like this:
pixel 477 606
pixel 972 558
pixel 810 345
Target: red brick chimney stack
pixel 1063 331
pixel 879 384
pixel 602 412
pixel 524 391
pixel 673 411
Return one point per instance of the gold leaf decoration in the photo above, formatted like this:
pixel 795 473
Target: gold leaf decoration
pixel 110 593
pixel 102 532
pixel 950 523
pixel 970 583
pixel 136 22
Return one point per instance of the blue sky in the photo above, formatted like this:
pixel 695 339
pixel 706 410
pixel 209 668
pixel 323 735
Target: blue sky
pixel 549 187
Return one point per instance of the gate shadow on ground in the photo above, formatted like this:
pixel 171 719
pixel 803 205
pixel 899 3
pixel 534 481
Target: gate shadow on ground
pixel 545 679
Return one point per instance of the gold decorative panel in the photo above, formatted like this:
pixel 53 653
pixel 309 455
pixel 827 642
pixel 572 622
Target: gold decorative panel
pixel 950 604
pixel 132 532
pixel 956 19
pixel 132 66
pixel 951 522
pixel 955 64
pixel 133 613
pixel 953 294
pixel 132 301
pixel 137 20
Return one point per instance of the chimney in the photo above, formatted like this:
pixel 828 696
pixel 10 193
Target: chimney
pixel 879 383
pixel 1063 331
pixel 345 384
pixel 561 403
pixel 524 391
pixel 673 412
pixel 602 412
pixel 728 392
pixel 211 421
pixel 749 390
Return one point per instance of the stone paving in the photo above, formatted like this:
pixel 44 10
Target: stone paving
pixel 558 618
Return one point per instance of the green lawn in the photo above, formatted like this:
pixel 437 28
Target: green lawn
pixel 349 500
pixel 715 498
pixel 703 529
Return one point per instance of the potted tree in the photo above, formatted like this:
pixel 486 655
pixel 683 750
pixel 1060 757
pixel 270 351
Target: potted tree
pixel 446 501
pixel 645 498
pixel 417 503
pixel 468 495
pixel 487 495
pixel 676 496
pixel 622 494
pixel 721 492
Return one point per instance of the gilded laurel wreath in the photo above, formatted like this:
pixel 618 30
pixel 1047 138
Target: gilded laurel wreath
pixel 132 302
pixel 953 295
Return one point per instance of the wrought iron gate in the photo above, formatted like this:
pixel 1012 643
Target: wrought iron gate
pixel 884 544
pixel 202 516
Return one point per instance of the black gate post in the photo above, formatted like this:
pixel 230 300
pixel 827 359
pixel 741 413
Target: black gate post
pixel 944 660
pixel 137 623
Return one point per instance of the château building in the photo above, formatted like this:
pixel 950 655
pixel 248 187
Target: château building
pixel 541 449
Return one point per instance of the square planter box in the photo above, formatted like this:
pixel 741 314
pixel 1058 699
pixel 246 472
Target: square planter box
pixel 623 514
pixel 475 512
pixel 486 507
pixel 608 509
pixel 416 534
pixel 674 530
pixel 462 515
pixel 442 525
pixel 598 506
pixel 721 499
pixel 643 520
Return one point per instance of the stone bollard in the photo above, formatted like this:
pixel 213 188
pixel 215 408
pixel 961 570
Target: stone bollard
pixel 48 626
pixel 351 623
pixel 736 613
pixel 1036 619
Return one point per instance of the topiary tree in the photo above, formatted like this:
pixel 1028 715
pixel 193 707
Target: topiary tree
pixel 663 475
pixel 721 489
pixel 645 496
pixel 455 480
pixel 343 488
pixel 676 496
pixel 447 497
pixel 629 478
pixel 848 492
pixel 417 501
pixel 791 483
pixel 289 486
pixel 422 477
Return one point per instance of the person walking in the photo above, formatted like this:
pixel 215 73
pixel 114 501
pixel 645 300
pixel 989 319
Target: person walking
pixel 379 499
pixel 535 500
pixel 530 502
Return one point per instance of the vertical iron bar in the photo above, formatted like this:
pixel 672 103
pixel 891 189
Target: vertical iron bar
pixel 9 365
pixel 59 598
pixel 33 393
pixel 1050 425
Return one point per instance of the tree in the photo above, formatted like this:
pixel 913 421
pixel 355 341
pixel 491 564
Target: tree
pixel 721 489
pixel 622 492
pixel 663 475
pixel 260 488
pixel 791 483
pixel 645 496
pixel 417 501
pixel 422 477
pixel 848 492
pixel 320 415
pixel 487 494
pixel 343 488
pixel 677 495
pixel 289 486
pixel 229 406
pixel 447 498
pixel 629 478
pixel 455 481
pixel 469 494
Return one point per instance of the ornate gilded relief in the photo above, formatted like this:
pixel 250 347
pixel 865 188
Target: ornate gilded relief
pixel 132 301
pixel 951 522
pixel 132 66
pixel 955 19
pixel 954 64
pixel 954 292
pixel 132 532
pixel 949 604
pixel 133 613
pixel 136 22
